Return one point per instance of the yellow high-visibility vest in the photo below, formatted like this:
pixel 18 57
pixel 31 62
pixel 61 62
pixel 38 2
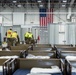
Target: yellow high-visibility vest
pixel 9 33
pixel 26 34
pixel 14 35
pixel 30 35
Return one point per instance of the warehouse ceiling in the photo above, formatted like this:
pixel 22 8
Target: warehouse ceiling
pixel 38 3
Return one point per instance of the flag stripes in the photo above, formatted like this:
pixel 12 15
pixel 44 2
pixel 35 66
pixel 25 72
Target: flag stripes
pixel 46 17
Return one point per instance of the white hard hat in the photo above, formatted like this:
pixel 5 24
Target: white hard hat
pixel 15 30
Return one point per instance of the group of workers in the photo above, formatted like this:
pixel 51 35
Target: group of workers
pixel 12 38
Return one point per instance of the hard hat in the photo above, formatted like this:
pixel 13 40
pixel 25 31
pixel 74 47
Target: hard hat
pixel 15 30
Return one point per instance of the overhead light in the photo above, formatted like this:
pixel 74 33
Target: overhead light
pixel 39 1
pixel 63 5
pixel 41 5
pixel 64 1
pixel 19 5
pixel 14 1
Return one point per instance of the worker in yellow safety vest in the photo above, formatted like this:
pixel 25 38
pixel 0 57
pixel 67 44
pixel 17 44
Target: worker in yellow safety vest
pixel 8 36
pixel 14 38
pixel 31 38
pixel 28 37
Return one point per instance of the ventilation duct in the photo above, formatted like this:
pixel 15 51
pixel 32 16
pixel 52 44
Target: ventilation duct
pixel 70 9
pixel 69 13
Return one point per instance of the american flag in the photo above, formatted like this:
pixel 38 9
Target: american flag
pixel 46 16
pixel 50 15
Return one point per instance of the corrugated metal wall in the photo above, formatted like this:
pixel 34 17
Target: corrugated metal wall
pixel 43 35
pixel 23 31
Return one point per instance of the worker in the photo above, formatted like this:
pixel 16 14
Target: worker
pixel 8 36
pixel 15 38
pixel 18 40
pixel 28 37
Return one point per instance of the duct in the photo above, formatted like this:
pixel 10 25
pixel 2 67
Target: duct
pixel 69 9
pixel 69 13
pixel 71 3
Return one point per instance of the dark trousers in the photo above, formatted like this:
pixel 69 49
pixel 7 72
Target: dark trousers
pixel 26 40
pixel 9 41
pixel 14 42
pixel 29 40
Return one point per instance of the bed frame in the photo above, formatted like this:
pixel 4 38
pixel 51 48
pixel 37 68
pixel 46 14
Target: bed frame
pixel 20 47
pixel 51 54
pixel 11 53
pixel 63 54
pixel 4 64
pixel 64 49
pixel 70 64
pixel 63 45
pixel 22 63
pixel 38 48
pixel 43 45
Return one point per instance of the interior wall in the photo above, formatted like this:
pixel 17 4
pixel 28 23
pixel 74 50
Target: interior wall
pixel 18 18
pixel 71 33
pixel 53 35
pixel 30 15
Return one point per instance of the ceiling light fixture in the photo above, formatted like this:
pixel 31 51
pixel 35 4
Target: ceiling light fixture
pixel 63 5
pixel 14 1
pixel 64 1
pixel 19 5
pixel 39 1
pixel 41 5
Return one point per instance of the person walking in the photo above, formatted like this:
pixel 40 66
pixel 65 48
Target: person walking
pixel 9 36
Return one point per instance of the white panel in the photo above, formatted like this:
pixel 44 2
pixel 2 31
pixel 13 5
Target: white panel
pixel 70 33
pixel 7 19
pixel 32 18
pixel 61 38
pixel 43 36
pixel 0 19
pixel 59 15
pixel 56 37
pixel 56 19
pixel 75 34
pixel 18 18
pixel 51 33
pixel 66 33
